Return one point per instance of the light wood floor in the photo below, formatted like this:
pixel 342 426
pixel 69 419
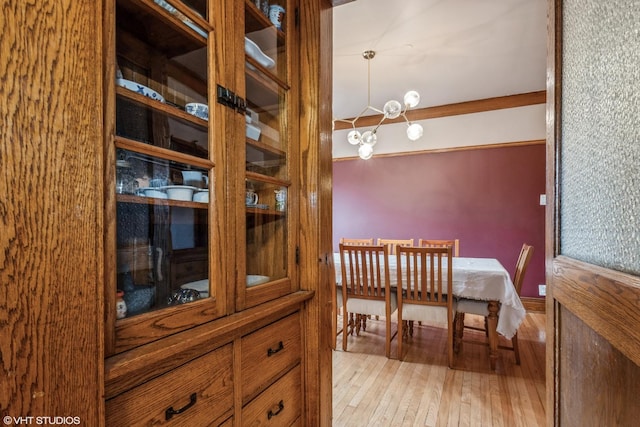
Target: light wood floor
pixel 371 390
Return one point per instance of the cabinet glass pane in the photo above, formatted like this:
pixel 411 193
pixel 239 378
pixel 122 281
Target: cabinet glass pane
pixel 158 224
pixel 163 162
pixel 266 207
pixel 161 75
pixel 267 169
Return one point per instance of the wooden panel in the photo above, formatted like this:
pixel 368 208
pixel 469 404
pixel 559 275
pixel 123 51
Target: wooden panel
pixel 598 384
pixel 209 377
pixel 50 210
pixel 279 405
pixel 267 353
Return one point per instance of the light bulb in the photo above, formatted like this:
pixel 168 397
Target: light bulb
pixel 411 98
pixel 392 109
pixel 414 131
pixel 365 151
pixel 369 138
pixel 354 137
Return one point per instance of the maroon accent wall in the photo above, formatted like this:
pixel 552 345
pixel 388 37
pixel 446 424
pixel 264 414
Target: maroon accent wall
pixel 487 198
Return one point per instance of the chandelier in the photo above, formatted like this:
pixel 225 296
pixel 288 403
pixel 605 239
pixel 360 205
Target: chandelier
pixel 392 109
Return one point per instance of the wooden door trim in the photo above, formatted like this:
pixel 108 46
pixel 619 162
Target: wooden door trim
pixel 603 299
pixel 553 134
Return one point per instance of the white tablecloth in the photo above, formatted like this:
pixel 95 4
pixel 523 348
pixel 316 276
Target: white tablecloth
pixel 476 278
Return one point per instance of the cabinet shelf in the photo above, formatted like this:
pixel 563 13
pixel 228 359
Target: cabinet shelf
pixel 256 21
pixel 170 109
pixel 130 198
pixel 268 179
pixel 158 27
pixel 263 147
pixel 162 153
pixel 264 79
pixel 265 212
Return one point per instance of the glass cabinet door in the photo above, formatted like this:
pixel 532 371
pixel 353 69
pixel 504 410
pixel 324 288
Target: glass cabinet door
pixel 163 167
pixel 268 130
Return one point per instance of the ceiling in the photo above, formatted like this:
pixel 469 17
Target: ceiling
pixel 448 50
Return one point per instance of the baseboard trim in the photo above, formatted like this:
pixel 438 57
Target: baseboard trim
pixel 534 304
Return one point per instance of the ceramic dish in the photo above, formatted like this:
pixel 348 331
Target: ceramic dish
pixel 138 88
pixel 202 286
pixel 179 192
pixel 254 51
pixel 156 193
pixel 256 279
pixel 201 196
pixel 175 12
pixel 252 131
pixel 198 110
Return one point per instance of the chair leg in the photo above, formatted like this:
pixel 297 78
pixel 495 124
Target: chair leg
pixel 405 330
pixel 346 323
pixel 387 344
pixel 402 330
pixel 358 323
pixel 516 350
pixel 458 328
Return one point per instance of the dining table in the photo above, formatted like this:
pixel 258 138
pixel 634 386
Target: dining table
pixel 483 279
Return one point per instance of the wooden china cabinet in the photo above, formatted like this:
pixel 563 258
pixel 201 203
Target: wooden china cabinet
pixel 201 237
pixel 187 279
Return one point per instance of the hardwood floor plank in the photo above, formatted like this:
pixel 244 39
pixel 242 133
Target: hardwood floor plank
pixel 371 390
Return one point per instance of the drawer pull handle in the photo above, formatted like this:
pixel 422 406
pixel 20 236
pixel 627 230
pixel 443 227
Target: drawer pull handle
pixel 271 351
pixel 272 414
pixel 171 412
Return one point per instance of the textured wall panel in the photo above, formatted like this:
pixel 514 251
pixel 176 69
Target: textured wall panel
pixel 600 157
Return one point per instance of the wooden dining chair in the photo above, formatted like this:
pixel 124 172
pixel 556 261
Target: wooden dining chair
pixel 425 277
pixel 366 289
pixel 393 243
pixel 471 306
pixel 431 243
pixel 362 242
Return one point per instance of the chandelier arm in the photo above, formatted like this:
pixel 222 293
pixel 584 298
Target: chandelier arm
pixel 375 129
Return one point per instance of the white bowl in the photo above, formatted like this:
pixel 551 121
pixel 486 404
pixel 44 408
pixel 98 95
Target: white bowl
pixel 156 193
pixel 194 178
pixel 201 196
pixel 179 192
pixel 198 110
pixel 138 88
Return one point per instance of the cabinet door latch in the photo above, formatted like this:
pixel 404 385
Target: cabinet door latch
pixel 230 99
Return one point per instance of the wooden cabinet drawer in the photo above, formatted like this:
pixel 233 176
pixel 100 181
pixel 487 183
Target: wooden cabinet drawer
pixel 209 378
pixel 279 405
pixel 269 352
